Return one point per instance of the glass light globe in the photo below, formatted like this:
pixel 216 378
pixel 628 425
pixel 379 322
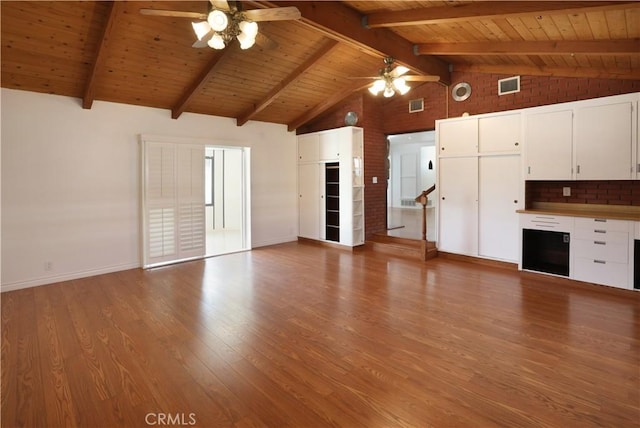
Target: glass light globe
pixel 201 29
pixel 388 92
pixel 218 20
pixel 401 85
pixel 246 41
pixel 216 42
pixel 250 28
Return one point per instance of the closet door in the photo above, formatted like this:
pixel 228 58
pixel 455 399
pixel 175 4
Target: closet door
pixel 173 202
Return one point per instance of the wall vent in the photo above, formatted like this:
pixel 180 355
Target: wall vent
pixel 509 85
pixel 416 105
pixel 407 202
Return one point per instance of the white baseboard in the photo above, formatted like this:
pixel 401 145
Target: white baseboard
pixel 65 277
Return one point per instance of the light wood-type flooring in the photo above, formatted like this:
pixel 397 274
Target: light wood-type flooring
pixel 307 336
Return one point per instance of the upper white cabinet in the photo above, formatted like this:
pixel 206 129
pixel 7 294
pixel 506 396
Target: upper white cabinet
pixel 499 133
pixel 308 147
pixel 458 137
pixel 549 141
pixel 584 140
pixel 329 146
pixel 604 138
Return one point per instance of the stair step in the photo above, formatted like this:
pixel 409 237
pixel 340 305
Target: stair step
pixel 403 247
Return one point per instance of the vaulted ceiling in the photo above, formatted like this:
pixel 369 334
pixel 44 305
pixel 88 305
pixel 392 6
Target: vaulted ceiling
pixel 299 69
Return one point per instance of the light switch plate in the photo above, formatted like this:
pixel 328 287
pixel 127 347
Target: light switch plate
pixel 375 180
pixel 566 191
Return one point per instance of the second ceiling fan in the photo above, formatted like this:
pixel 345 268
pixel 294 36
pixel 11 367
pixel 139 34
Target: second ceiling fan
pixel 226 21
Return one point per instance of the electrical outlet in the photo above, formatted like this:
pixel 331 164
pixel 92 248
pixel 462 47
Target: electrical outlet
pixel 375 180
pixel 48 266
pixel 566 191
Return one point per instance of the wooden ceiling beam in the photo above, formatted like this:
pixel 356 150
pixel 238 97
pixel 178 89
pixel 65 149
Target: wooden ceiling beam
pixel 529 70
pixel 333 100
pixel 293 77
pixel 101 54
pixel 564 47
pixel 196 86
pixel 487 10
pixel 344 24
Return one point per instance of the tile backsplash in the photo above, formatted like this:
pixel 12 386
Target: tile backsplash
pixel 604 192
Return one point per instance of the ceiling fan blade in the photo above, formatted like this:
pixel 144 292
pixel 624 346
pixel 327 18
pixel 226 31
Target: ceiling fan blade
pixel 265 42
pixel 220 4
pixel 275 14
pixel 174 13
pixel 422 78
pixel 364 77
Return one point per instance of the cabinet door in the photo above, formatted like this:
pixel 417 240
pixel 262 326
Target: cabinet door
pixel 457 137
pixel 548 142
pixel 309 200
pixel 329 145
pixel 499 133
pixel 498 189
pixel 308 148
pixel 604 142
pixel 458 231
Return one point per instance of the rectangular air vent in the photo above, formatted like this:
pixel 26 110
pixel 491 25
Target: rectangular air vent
pixel 416 105
pixel 509 85
pixel 407 202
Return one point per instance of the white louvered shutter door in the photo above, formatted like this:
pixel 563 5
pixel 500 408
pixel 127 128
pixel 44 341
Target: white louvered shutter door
pixel 160 203
pixel 191 204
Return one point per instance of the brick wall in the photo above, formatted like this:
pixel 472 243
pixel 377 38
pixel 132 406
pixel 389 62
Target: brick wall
pixel 375 158
pixel 605 192
pixel 380 117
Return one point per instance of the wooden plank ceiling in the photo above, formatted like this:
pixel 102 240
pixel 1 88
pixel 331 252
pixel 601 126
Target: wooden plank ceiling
pixel 109 51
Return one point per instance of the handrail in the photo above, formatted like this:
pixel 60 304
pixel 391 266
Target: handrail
pixel 422 199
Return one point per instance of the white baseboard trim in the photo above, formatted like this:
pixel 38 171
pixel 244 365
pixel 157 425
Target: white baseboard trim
pixel 65 277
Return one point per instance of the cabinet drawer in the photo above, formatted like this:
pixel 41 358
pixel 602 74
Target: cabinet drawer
pixel 601 250
pixel 546 222
pixel 602 235
pixel 602 224
pixel 601 272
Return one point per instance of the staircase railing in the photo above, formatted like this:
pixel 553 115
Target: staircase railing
pixel 422 199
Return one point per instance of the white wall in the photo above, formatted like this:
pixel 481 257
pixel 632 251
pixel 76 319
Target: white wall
pixel 420 147
pixel 71 182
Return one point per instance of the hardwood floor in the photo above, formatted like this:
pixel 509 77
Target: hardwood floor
pixel 306 336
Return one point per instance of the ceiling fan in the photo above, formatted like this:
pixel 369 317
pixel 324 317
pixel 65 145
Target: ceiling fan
pixel 391 80
pixel 226 21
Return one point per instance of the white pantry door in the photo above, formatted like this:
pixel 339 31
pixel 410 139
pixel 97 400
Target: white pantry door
pixel 173 202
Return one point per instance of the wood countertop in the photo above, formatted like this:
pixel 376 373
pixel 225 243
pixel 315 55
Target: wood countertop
pixel 613 212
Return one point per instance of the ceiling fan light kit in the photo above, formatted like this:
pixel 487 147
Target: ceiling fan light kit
pixel 226 22
pixel 391 80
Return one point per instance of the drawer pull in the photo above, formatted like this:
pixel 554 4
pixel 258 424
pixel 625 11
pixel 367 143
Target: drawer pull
pixel 602 262
pixel 600 242
pixel 600 220
pixel 600 231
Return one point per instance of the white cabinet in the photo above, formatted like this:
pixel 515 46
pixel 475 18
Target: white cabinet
pixel 458 136
pixel 479 192
pixel 603 142
pixel 308 148
pixel 583 140
pixel 309 192
pixel 498 199
pixel 331 186
pixel 458 225
pixel 601 251
pixel 499 133
pixel 549 141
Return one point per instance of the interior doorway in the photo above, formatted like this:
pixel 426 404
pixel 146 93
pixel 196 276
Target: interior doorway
pixel 412 169
pixel 227 199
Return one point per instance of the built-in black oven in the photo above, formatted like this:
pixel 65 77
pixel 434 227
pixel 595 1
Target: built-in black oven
pixel 545 251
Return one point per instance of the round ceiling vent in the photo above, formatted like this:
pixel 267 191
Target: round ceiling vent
pixel 461 91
